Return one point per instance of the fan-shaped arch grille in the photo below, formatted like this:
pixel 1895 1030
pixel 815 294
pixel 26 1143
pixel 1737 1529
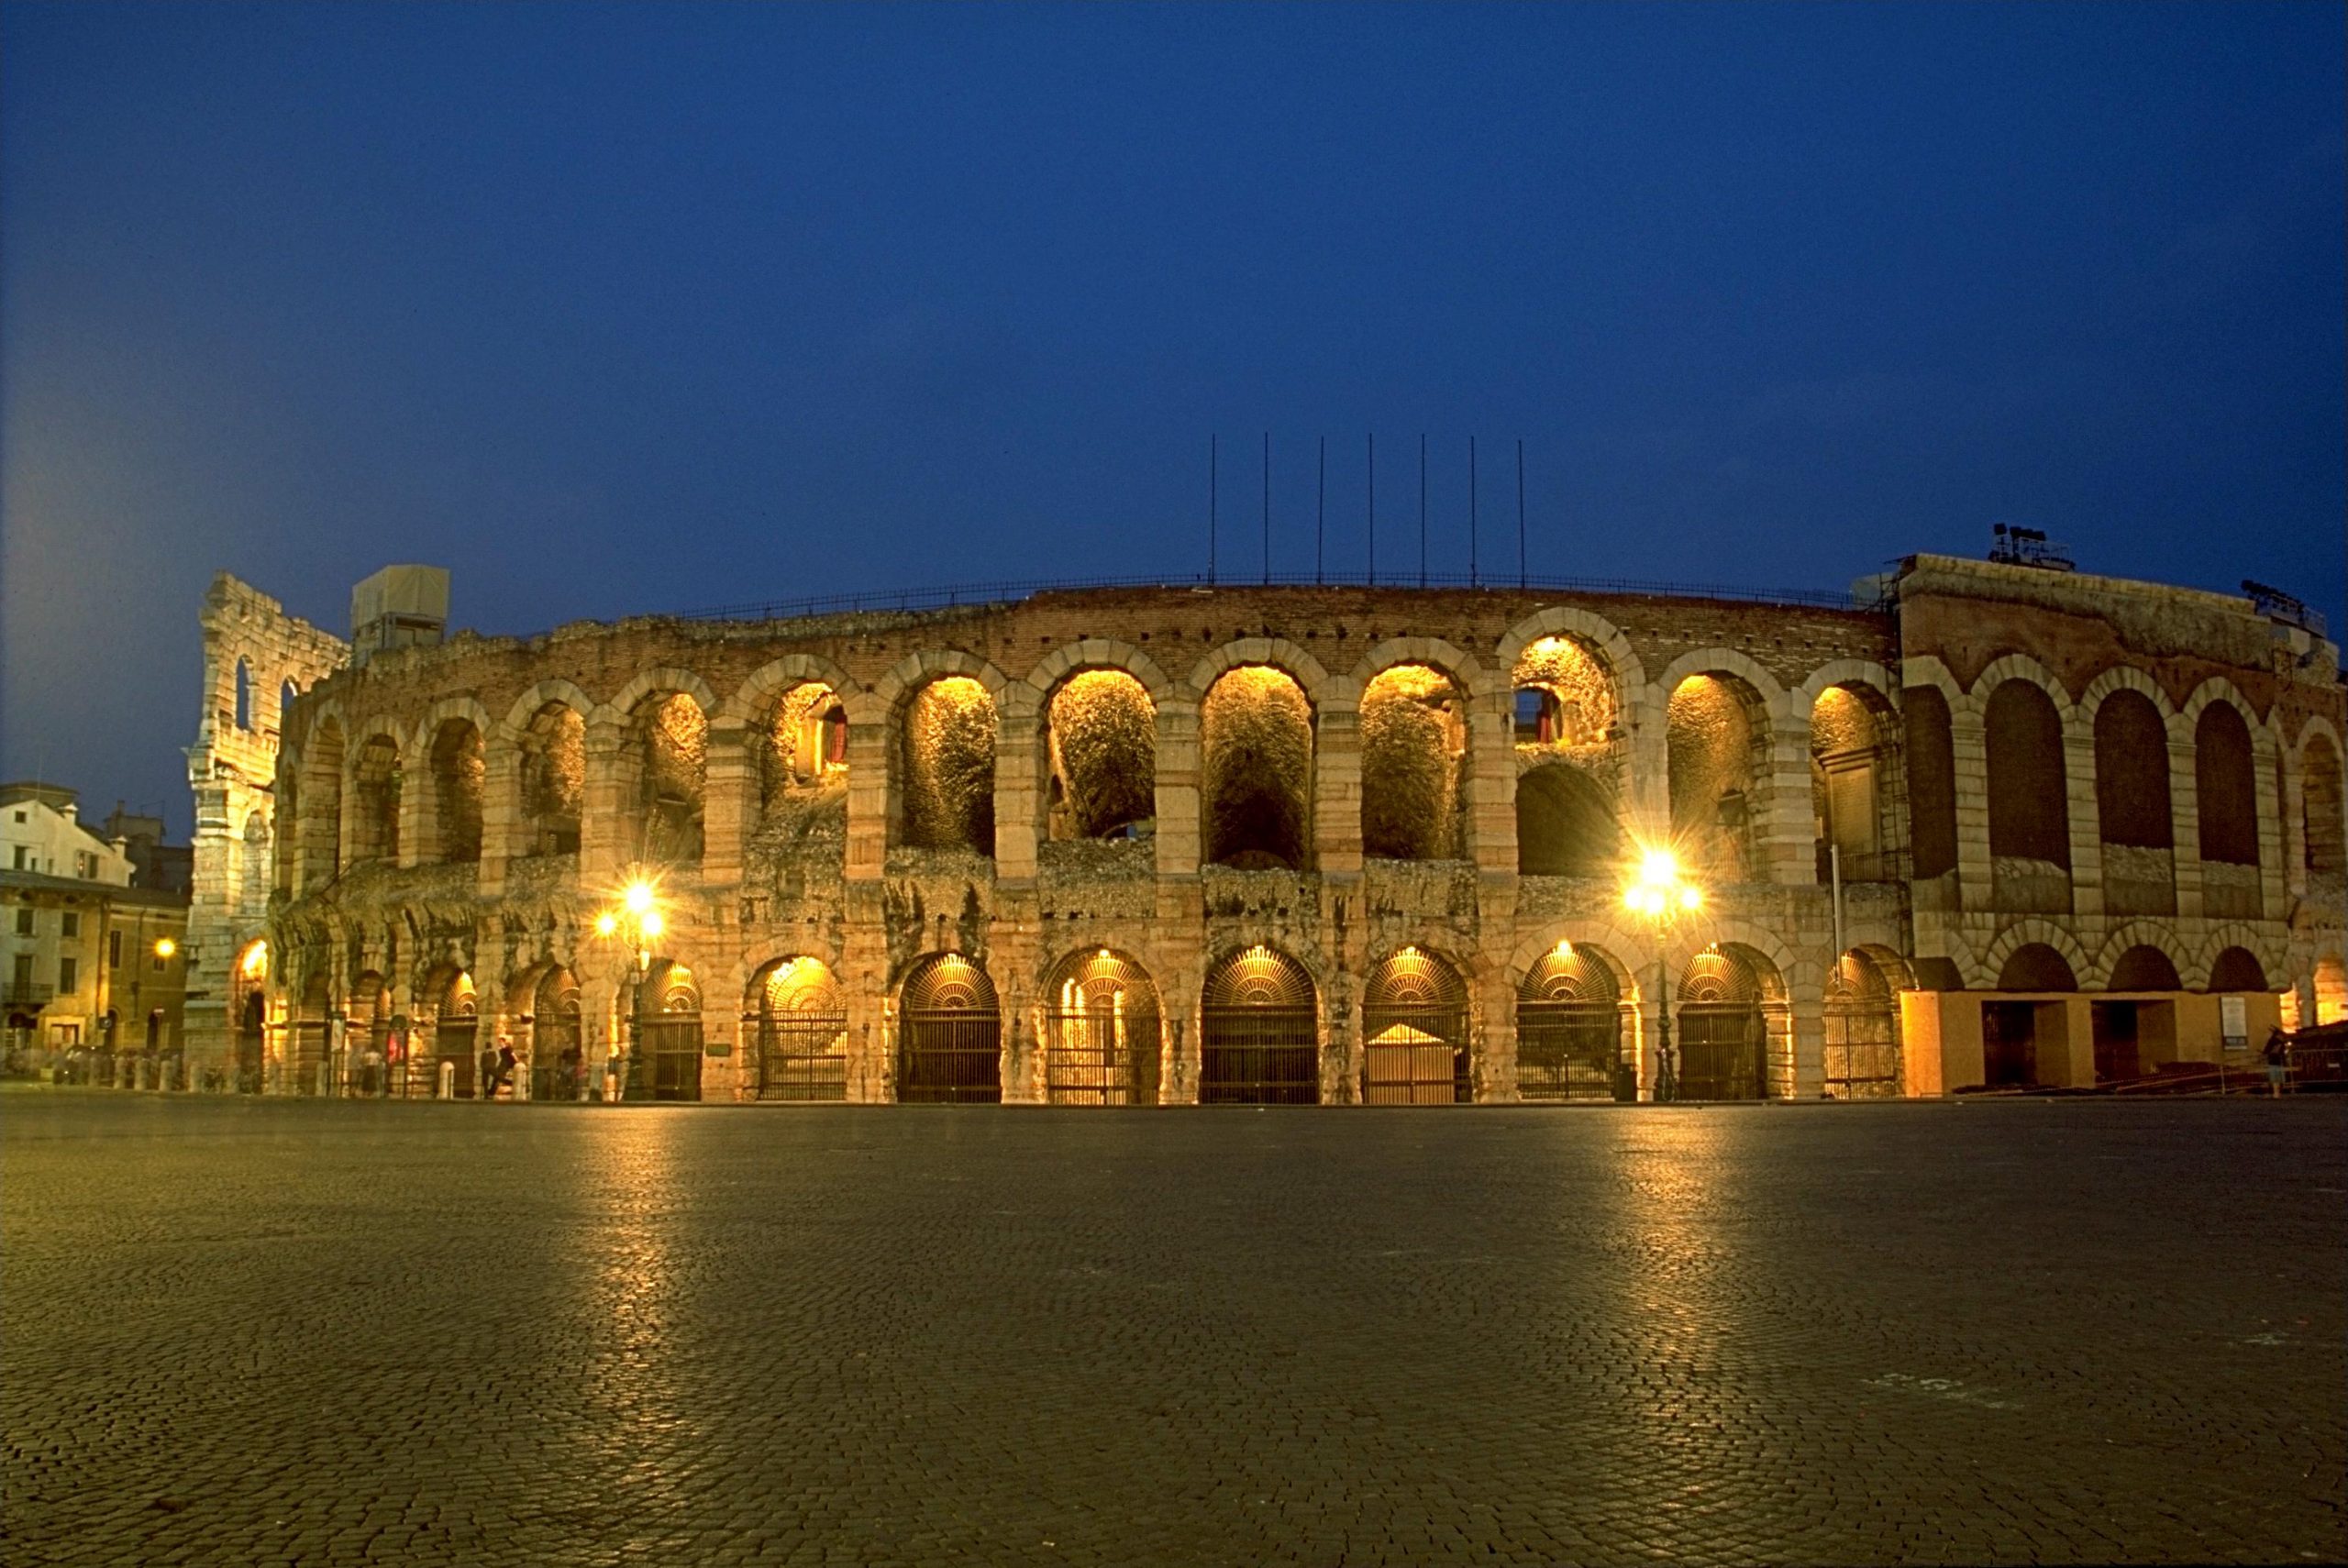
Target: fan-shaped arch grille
pixel 1862 1031
pixel 1722 1041
pixel 1414 1032
pixel 1720 976
pixel 1100 1031
pixel 1259 1031
pixel 1569 1042
pixel 949 1034
pixel 798 1020
pixel 666 1062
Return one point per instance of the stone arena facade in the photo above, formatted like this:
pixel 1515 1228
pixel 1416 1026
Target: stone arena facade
pixel 1998 825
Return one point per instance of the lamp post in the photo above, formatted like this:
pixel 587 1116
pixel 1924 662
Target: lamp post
pixel 1660 896
pixel 637 920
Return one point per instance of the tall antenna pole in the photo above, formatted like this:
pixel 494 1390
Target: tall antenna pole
pixel 1267 508
pixel 1521 578
pixel 1373 509
pixel 1422 509
pixel 1211 499
pixel 1321 512
pixel 1472 512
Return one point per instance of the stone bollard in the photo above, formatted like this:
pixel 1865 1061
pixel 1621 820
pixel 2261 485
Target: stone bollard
pixel 447 1080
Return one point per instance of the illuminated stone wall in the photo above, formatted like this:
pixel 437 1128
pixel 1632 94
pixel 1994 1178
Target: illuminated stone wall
pixel 948 762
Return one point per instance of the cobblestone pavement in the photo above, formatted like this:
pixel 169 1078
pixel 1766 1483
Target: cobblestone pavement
pixel 282 1331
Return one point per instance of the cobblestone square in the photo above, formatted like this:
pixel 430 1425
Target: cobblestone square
pixel 276 1330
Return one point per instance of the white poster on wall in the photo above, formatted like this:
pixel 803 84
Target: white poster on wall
pixel 2233 1022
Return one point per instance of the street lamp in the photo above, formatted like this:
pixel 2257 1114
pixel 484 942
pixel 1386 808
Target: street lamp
pixel 638 922
pixel 1661 896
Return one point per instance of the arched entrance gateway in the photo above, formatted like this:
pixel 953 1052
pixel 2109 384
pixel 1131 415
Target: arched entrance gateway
pixel 1569 1030
pixel 1414 1032
pixel 1259 1031
pixel 1862 1031
pixel 456 1035
pixel 949 1034
pixel 558 1044
pixel 797 1022
pixel 1723 1042
pixel 1100 1031
pixel 667 1032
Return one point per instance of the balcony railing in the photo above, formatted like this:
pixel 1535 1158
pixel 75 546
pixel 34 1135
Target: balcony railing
pixel 25 993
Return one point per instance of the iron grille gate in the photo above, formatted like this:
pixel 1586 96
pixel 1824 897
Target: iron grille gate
pixel 1862 1054
pixel 1569 1050
pixel 1098 1057
pixel 668 1046
pixel 1721 1052
pixel 555 1059
pixel 1258 1054
pixel 1414 1054
pixel 802 1055
pixel 951 1055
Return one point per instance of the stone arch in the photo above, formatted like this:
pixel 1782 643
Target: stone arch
pixel 1854 772
pixel 1259 1030
pixel 2158 935
pixel 1717 745
pixel 949 1033
pixel 2141 966
pixel 663 768
pixel 2323 828
pixel 540 766
pixel 943 740
pixel 795 1028
pixel 1460 668
pixel 2123 678
pixel 2029 933
pixel 2135 814
pixel 1576 1019
pixel 527 706
pixel 375 796
pixel 1718 661
pixel 1594 632
pixel 1053 669
pixel 2023 667
pixel 1726 993
pixel 663 678
pixel 2237 969
pixel 1568 824
pixel 1100 1010
pixel 1414 1029
pixel 2225 776
pixel 448 758
pixel 1930 758
pixel 1099 762
pixel 315 774
pixel 759 688
pixel 2028 795
pixel 2234 933
pixel 1256 747
pixel 2217 689
pixel 909 674
pixel 1277 653
pixel 1414 763
pixel 1858 672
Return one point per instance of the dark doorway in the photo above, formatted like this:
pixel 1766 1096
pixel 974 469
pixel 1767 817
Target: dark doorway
pixel 2008 1044
pixel 249 1045
pixel 2116 1035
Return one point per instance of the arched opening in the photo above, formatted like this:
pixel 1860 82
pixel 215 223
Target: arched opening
pixel 554 779
pixel 1566 823
pixel 2330 990
pixel 1100 738
pixel 285 695
pixel 1100 1031
pixel 1853 784
pixel 1259 1031
pixel 375 801
pixel 1862 1056
pixel 1256 740
pixel 2130 1031
pixel 367 1035
pixel 1564 696
pixel 311 1072
pixel 1931 782
pixel 1723 1039
pixel 2132 806
pixel 244 695
pixel 1569 1035
pixel 458 773
pixel 2237 969
pixel 2035 967
pixel 1717 739
pixel 668 745
pixel 949 1032
pixel 1413 765
pixel 1414 1032
pixel 2322 830
pixel 456 1035
pixel 252 1016
pixel 945 763
pixel 798 1018
pixel 2144 969
pixel 667 1032
pixel 802 746
pixel 557 1039
pixel 319 806
pixel 2029 829
pixel 2226 780
pixel 2010 1030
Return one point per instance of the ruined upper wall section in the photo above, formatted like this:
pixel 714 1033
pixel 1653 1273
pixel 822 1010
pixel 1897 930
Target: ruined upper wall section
pixel 245 629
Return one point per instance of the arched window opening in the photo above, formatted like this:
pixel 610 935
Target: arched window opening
pixel 947 764
pixel 1717 743
pixel 2035 967
pixel 319 801
pixel 1853 784
pixel 1100 1031
pixel 1723 1039
pixel 670 742
pixel 1564 696
pixel 1414 1032
pixel 1413 765
pixel 2132 806
pixel 458 772
pixel 557 1039
pixel 2144 969
pixel 1931 782
pixel 2029 829
pixel 554 778
pixel 285 695
pixel 2237 969
pixel 949 1034
pixel 666 1062
pixel 375 787
pixel 1102 736
pixel 1569 1035
pixel 804 744
pixel 244 696
pixel 798 1017
pixel 1862 1031
pixel 1259 1031
pixel 1256 739
pixel 1566 823
pixel 2321 827
pixel 2226 780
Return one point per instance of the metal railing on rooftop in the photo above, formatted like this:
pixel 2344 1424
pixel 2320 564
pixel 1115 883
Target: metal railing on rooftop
pixel 982 593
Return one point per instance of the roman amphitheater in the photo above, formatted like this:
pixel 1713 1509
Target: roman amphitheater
pixel 1984 825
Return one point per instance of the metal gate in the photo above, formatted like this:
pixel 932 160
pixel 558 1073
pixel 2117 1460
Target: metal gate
pixel 1259 1033
pixel 557 1042
pixel 670 1046
pixel 1862 1032
pixel 1100 1033
pixel 1722 1044
pixel 949 1048
pixel 799 1027
pixel 1414 1032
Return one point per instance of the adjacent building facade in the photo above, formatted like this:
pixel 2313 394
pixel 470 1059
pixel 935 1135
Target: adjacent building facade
pixel 1987 825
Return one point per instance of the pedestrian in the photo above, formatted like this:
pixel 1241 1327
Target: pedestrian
pixel 2277 1056
pixel 506 1062
pixel 486 1084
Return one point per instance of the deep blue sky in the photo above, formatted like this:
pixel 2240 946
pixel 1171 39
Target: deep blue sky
pixel 626 309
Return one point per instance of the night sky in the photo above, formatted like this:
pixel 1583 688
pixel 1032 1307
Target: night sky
pixel 629 309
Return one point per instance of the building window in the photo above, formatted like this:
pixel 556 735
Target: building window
pixel 20 816
pixel 20 864
pixel 114 950
pixel 24 919
pixel 157 962
pixel 72 923
pixel 67 976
